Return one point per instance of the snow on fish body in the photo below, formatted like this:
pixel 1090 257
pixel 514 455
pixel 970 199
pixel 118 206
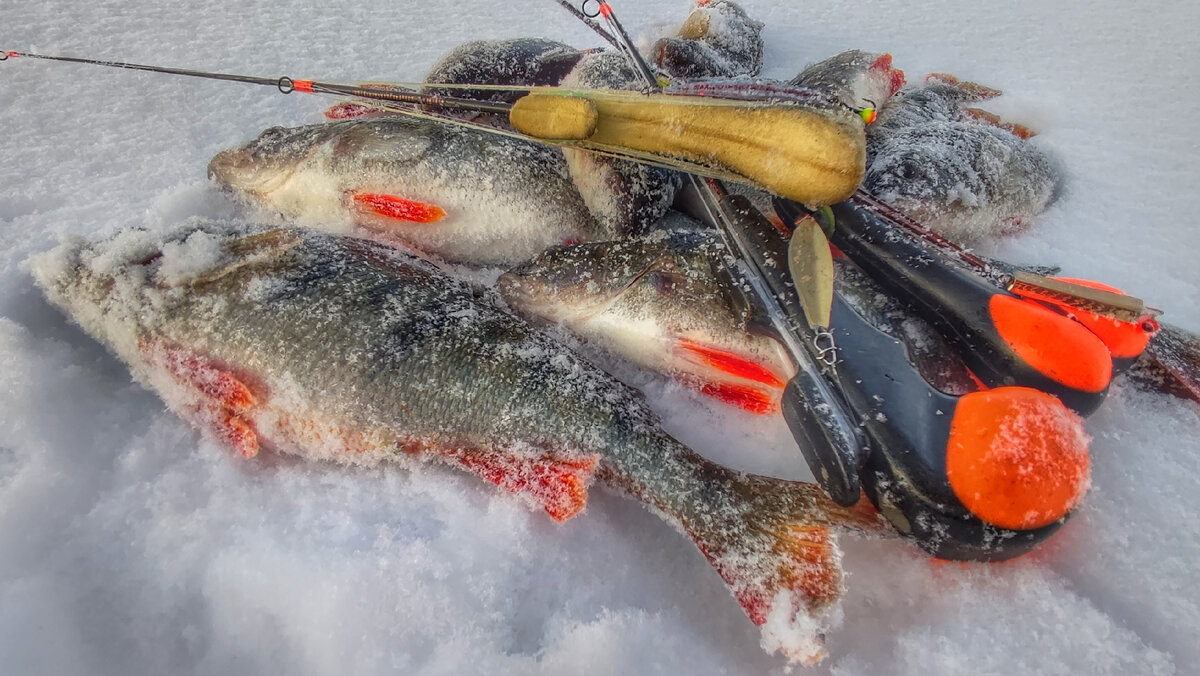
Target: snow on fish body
pixel 718 39
pixel 625 196
pixel 656 302
pixel 955 169
pixel 462 194
pixel 856 78
pixel 532 62
pixel 338 348
pixel 963 180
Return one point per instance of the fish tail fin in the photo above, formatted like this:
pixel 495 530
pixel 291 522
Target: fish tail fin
pixel 776 550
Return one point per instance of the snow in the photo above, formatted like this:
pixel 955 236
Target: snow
pixel 129 545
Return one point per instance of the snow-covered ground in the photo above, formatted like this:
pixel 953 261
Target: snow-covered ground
pixel 128 545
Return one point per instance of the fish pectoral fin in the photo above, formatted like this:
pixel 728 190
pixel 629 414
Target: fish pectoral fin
pixel 397 208
pixel 556 484
pixel 992 119
pixel 729 362
pixel 738 380
pixel 249 250
pixel 973 90
pixel 264 244
pixel 749 398
pixel 220 401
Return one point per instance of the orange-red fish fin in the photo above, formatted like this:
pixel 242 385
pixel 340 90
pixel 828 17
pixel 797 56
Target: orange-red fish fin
pixel 992 119
pixel 734 364
pixel 754 387
pixel 238 433
pixel 399 208
pixel 558 485
pixel 798 576
pixel 975 90
pixel 883 64
pixel 805 556
pixel 350 110
pixel 224 400
pixel 746 397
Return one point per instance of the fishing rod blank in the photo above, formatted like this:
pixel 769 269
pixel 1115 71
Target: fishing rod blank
pixel 288 85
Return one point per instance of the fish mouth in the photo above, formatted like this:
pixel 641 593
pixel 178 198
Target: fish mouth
pixel 58 269
pixel 80 272
pixel 238 170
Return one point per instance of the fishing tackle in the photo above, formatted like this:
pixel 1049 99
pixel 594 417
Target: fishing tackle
pixel 816 411
pixel 824 154
pixel 985 475
pixel 815 407
pixel 622 41
pixel 914 263
pixel 1003 338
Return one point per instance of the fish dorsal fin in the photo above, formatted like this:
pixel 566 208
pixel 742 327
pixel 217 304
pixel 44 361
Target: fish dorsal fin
pixel 972 91
pixel 253 249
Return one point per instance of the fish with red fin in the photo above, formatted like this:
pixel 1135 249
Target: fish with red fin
pixel 342 349
pixel 856 78
pixel 658 302
pixel 458 193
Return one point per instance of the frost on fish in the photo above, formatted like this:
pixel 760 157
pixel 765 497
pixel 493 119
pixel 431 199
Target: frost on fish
pixel 656 302
pixel 341 349
pixel 625 197
pixel 962 180
pixel 856 78
pixel 457 193
pixel 717 40
pixel 955 169
pixel 517 62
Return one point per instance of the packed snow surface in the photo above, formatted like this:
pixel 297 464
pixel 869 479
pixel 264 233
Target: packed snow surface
pixel 129 545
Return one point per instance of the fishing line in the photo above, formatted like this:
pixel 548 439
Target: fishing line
pixel 591 22
pixel 288 85
pixel 625 45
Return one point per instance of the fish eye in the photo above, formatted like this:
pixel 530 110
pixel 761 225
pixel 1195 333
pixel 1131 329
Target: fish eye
pixel 908 170
pixel 663 283
pixel 272 133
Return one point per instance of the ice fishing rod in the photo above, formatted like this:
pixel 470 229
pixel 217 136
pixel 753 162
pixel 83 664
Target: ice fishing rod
pixel 623 42
pixel 578 13
pixel 816 410
pixel 683 132
pixel 287 85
